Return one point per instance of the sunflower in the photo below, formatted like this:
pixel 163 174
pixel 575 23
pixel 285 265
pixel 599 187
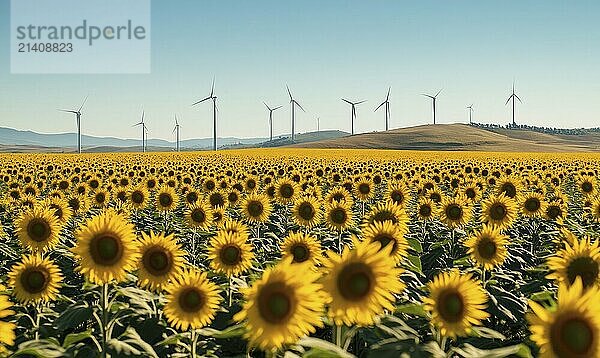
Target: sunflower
pixel 166 199
pixel 199 215
pixel 77 203
pixel 398 193
pixel 7 329
pixel 192 301
pixel 236 227
pixel 230 253
pixel 218 217
pixel 556 211
pixel 233 197
pixel 191 197
pixel 361 283
pixel 581 258
pixel 285 191
pixel 387 233
pixel 302 248
pixel 38 229
pixel 284 305
pixel 596 209
pixel 106 248
pixel 100 198
pixel 426 209
pixel 217 199
pixel 35 279
pixel 471 191
pixel 388 211
pixel 256 208
pixel 587 185
pixel 487 247
pixel 533 204
pixel 339 194
pixel 456 303
pixel 363 189
pixel 306 212
pixel 161 260
pixel 138 197
pixel 509 186
pixel 339 216
pixel 572 329
pixel 500 211
pixel 61 210
pixel 454 211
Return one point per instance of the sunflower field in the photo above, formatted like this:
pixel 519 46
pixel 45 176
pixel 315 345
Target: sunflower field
pixel 300 253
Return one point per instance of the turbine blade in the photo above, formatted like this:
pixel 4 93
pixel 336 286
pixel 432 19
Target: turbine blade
pixel 212 89
pixel 269 108
pixel 289 92
pixel 387 98
pixel 276 108
pixel 508 100
pixel 206 99
pixel 85 100
pixel 359 102
pixel 438 92
pixel 382 103
pixel 517 97
pixel 345 100
pixel 426 95
pixel 67 110
pixel 300 106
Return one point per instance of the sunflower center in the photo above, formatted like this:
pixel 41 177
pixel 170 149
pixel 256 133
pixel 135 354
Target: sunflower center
pixel 191 300
pixel 34 280
pixel 587 187
pixel 191 197
pixel 57 210
pixel 553 212
pixel 486 248
pixel 106 249
pixel 498 212
pixel 198 215
pixel 435 197
pixel 232 197
pixel 255 208
pixel 384 239
pixel 165 199
pixel 572 337
pixel 38 230
pixel 383 216
pixel 275 303
pixel 364 188
pixel 454 212
pixel 300 253
pixel 286 191
pixel 157 261
pixel 338 216
pixel 425 210
pixel 509 190
pixel 100 197
pixel 532 204
pixel 355 281
pixel 231 255
pixel 451 306
pixel 306 211
pixel 584 267
pixel 470 193
pixel 339 197
pixel 137 197
pixel 397 197
pixel 216 199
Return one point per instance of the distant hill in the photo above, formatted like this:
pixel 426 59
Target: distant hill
pixel 457 137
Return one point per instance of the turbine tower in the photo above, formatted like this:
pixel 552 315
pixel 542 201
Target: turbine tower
pixel 144 131
pixel 78 115
pixel 271 110
pixel 176 129
pixel 318 124
pixel 513 96
pixel 353 112
pixel 293 103
pixel 470 108
pixel 433 98
pixel 387 109
pixel 214 99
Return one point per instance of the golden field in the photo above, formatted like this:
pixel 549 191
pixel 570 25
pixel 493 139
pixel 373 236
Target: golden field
pixel 300 253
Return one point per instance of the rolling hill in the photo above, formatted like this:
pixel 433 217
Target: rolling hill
pixel 457 137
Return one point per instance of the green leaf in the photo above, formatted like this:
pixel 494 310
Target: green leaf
pixel 415 245
pixel 485 332
pixel 415 263
pixel 130 343
pixel 519 350
pixel 415 309
pixel 542 296
pixel 73 338
pixel 40 348
pixel 322 348
pixel 74 316
pixel 229 332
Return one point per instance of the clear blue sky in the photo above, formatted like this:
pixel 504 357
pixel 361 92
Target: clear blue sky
pixel 326 50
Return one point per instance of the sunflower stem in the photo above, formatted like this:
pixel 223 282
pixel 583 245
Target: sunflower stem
pixel 38 309
pixel 104 304
pixel 483 272
pixel 193 343
pixel 337 335
pixel 230 288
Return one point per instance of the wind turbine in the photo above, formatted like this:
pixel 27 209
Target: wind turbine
pixel 78 114
pixel 176 129
pixel 293 103
pixel 513 96
pixel 470 108
pixel 214 99
pixel 353 112
pixel 271 110
pixel 387 109
pixel 318 124
pixel 144 131
pixel 433 98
